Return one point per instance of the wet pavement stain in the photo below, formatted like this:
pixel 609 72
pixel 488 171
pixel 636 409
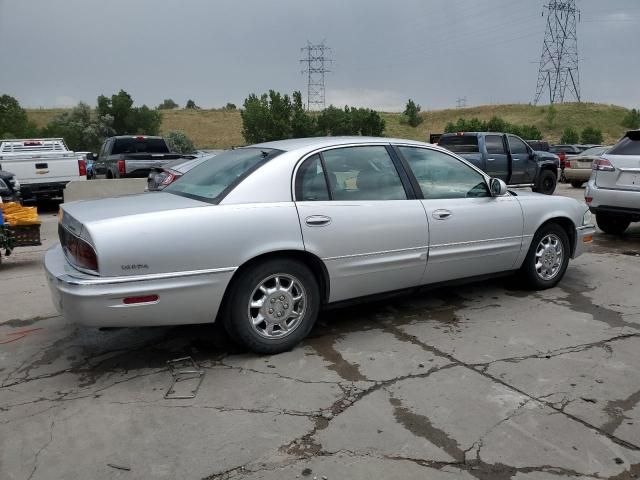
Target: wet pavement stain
pixel 616 410
pixel 421 426
pixel 325 347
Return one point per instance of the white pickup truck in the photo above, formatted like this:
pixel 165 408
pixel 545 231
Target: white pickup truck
pixel 43 166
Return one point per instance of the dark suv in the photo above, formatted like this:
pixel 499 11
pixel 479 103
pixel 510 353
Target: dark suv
pixel 9 187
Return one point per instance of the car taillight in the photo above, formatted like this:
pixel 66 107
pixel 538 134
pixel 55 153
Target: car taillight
pixel 169 179
pixel 588 200
pixel 82 254
pixel 82 168
pixel 562 156
pixel 602 164
pixel 121 167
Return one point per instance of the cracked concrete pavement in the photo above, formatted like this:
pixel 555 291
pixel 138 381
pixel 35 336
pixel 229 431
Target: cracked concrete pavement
pixel 481 381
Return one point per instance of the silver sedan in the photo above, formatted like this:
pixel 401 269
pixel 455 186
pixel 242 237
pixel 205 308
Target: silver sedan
pixel 261 238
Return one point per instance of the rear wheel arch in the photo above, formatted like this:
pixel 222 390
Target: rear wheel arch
pixel 314 263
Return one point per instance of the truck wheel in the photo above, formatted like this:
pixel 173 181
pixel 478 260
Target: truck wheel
pixel 576 183
pixel 272 306
pixel 547 259
pixel 612 224
pixel 546 183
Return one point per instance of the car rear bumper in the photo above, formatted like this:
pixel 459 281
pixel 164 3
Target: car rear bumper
pixel 183 298
pixel 577 174
pixel 614 201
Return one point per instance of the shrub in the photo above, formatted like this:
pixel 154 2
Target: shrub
pixel 591 135
pixel 81 128
pixel 569 135
pixel 632 119
pixel 179 142
pixel 411 114
pixel 191 105
pixel 168 104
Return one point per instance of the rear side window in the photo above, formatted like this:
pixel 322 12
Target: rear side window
pixel 629 145
pixel 460 143
pixel 139 145
pixel 494 144
pixel 362 173
pixel 311 184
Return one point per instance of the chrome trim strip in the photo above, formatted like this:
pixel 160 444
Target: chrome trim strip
pixel 370 254
pixel 71 280
pixel 585 227
pixel 518 237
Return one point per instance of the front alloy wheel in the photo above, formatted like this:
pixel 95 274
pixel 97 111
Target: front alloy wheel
pixel 547 259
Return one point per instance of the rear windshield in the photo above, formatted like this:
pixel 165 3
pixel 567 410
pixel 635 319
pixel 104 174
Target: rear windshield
pixel 629 145
pixel 593 151
pixel 460 143
pixel 214 178
pixel 139 145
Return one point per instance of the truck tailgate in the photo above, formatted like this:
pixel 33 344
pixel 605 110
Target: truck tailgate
pixel 43 168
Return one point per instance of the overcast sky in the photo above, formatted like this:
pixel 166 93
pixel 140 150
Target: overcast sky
pixel 57 52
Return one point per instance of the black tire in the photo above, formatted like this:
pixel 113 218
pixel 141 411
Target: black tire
pixel 546 183
pixel 529 272
pixel 576 183
pixel 612 224
pixel 237 313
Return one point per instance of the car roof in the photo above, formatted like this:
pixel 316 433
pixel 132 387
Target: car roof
pixel 313 143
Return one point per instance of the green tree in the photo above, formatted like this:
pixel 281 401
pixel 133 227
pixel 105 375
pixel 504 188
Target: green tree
pixel 632 119
pixel 230 107
pixel 591 135
pixel 168 104
pixel 267 117
pixel 127 119
pixel 411 114
pixel 81 128
pixel 13 119
pixel 302 124
pixel 179 142
pixel 191 105
pixel 570 135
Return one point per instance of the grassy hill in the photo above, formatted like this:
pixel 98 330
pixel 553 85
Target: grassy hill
pixel 222 129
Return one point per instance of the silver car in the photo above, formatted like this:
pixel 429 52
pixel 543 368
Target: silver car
pixel 261 238
pixel 613 191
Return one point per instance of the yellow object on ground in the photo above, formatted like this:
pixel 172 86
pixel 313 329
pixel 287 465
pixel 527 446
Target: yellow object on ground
pixel 16 214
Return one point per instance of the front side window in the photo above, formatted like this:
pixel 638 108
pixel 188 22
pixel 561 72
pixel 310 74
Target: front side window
pixel 362 173
pixel 443 176
pixel 517 146
pixel 214 178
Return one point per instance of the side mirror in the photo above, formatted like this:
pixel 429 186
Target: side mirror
pixel 497 187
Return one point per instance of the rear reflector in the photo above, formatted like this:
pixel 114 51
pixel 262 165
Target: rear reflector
pixel 122 169
pixel 587 238
pixel 142 299
pixel 588 200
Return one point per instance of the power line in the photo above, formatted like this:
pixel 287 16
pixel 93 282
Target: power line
pixel 461 102
pixel 558 70
pixel 316 61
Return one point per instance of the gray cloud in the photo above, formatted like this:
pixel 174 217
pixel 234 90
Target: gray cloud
pixel 59 52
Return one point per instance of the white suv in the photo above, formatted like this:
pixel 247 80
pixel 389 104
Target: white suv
pixel 613 191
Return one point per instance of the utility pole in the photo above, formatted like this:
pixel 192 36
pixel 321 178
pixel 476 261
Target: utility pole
pixel 558 70
pixel 316 61
pixel 461 102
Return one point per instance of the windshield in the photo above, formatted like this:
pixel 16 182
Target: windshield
pixel 214 178
pixel 460 143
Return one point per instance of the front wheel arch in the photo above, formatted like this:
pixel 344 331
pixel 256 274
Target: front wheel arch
pixel 567 225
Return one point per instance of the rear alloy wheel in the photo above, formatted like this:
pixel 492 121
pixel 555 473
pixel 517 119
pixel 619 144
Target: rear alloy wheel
pixel 576 183
pixel 273 306
pixel 546 182
pixel 548 257
pixel 612 224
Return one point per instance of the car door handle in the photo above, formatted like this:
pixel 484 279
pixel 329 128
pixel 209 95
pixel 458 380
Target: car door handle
pixel 491 159
pixel 317 221
pixel 441 214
